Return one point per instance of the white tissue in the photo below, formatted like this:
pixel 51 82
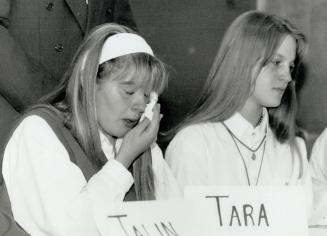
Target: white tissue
pixel 148 113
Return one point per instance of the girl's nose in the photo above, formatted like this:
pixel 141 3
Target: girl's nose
pixel 286 75
pixel 139 102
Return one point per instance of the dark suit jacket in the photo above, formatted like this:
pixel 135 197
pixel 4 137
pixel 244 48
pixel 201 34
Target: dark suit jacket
pixel 37 41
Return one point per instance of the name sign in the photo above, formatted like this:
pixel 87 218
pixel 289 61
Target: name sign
pixel 150 218
pixel 317 232
pixel 243 210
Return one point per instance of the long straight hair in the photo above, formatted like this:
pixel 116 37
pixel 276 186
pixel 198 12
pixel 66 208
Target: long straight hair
pixel 74 98
pixel 247 46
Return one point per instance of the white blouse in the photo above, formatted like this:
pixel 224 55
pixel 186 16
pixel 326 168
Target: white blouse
pixel 318 165
pixel 49 194
pixel 318 160
pixel 206 154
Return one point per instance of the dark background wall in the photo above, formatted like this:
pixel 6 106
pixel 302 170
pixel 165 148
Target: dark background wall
pixel 186 35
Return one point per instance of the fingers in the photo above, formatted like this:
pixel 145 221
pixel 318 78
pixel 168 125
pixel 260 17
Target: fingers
pixel 143 124
pixel 140 137
pixel 151 128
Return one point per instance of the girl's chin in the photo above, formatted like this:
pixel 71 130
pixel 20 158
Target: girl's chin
pixel 123 132
pixel 115 135
pixel 272 105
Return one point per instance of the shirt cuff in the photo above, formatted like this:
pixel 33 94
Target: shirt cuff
pixel 119 173
pixel 112 182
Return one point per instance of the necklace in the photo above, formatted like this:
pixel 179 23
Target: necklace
pixel 234 138
pixel 253 156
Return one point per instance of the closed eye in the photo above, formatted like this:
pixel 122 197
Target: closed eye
pixel 129 92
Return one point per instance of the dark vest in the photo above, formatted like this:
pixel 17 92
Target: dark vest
pixel 75 151
pixel 8 225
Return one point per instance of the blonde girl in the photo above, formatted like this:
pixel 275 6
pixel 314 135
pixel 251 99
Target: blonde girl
pixel 85 144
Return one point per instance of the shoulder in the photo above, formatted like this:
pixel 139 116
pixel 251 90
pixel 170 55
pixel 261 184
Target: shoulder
pixel 33 129
pixel 320 146
pixel 33 124
pixel 194 138
pixel 187 135
pixel 34 141
pixel 298 145
pixel 322 138
pixel 196 131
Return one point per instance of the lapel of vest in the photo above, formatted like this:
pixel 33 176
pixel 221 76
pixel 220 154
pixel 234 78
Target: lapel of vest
pixel 79 9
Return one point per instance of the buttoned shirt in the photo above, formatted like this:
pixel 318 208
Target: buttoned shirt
pixel 207 154
pixel 49 194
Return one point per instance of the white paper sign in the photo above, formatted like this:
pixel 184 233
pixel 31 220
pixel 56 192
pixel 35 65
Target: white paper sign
pixel 261 211
pixel 150 218
pixel 317 232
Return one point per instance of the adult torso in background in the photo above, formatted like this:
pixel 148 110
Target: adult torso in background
pixel 48 33
pixel 37 41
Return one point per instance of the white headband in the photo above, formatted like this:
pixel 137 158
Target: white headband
pixel 122 44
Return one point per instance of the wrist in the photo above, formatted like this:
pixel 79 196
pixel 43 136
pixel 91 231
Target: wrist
pixel 124 159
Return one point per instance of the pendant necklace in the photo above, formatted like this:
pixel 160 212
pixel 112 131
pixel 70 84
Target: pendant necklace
pixel 253 156
pixel 263 141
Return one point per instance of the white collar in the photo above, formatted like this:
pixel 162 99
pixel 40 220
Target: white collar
pixel 242 127
pixel 109 149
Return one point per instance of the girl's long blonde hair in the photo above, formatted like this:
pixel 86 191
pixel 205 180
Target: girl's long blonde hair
pixel 247 46
pixel 74 98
